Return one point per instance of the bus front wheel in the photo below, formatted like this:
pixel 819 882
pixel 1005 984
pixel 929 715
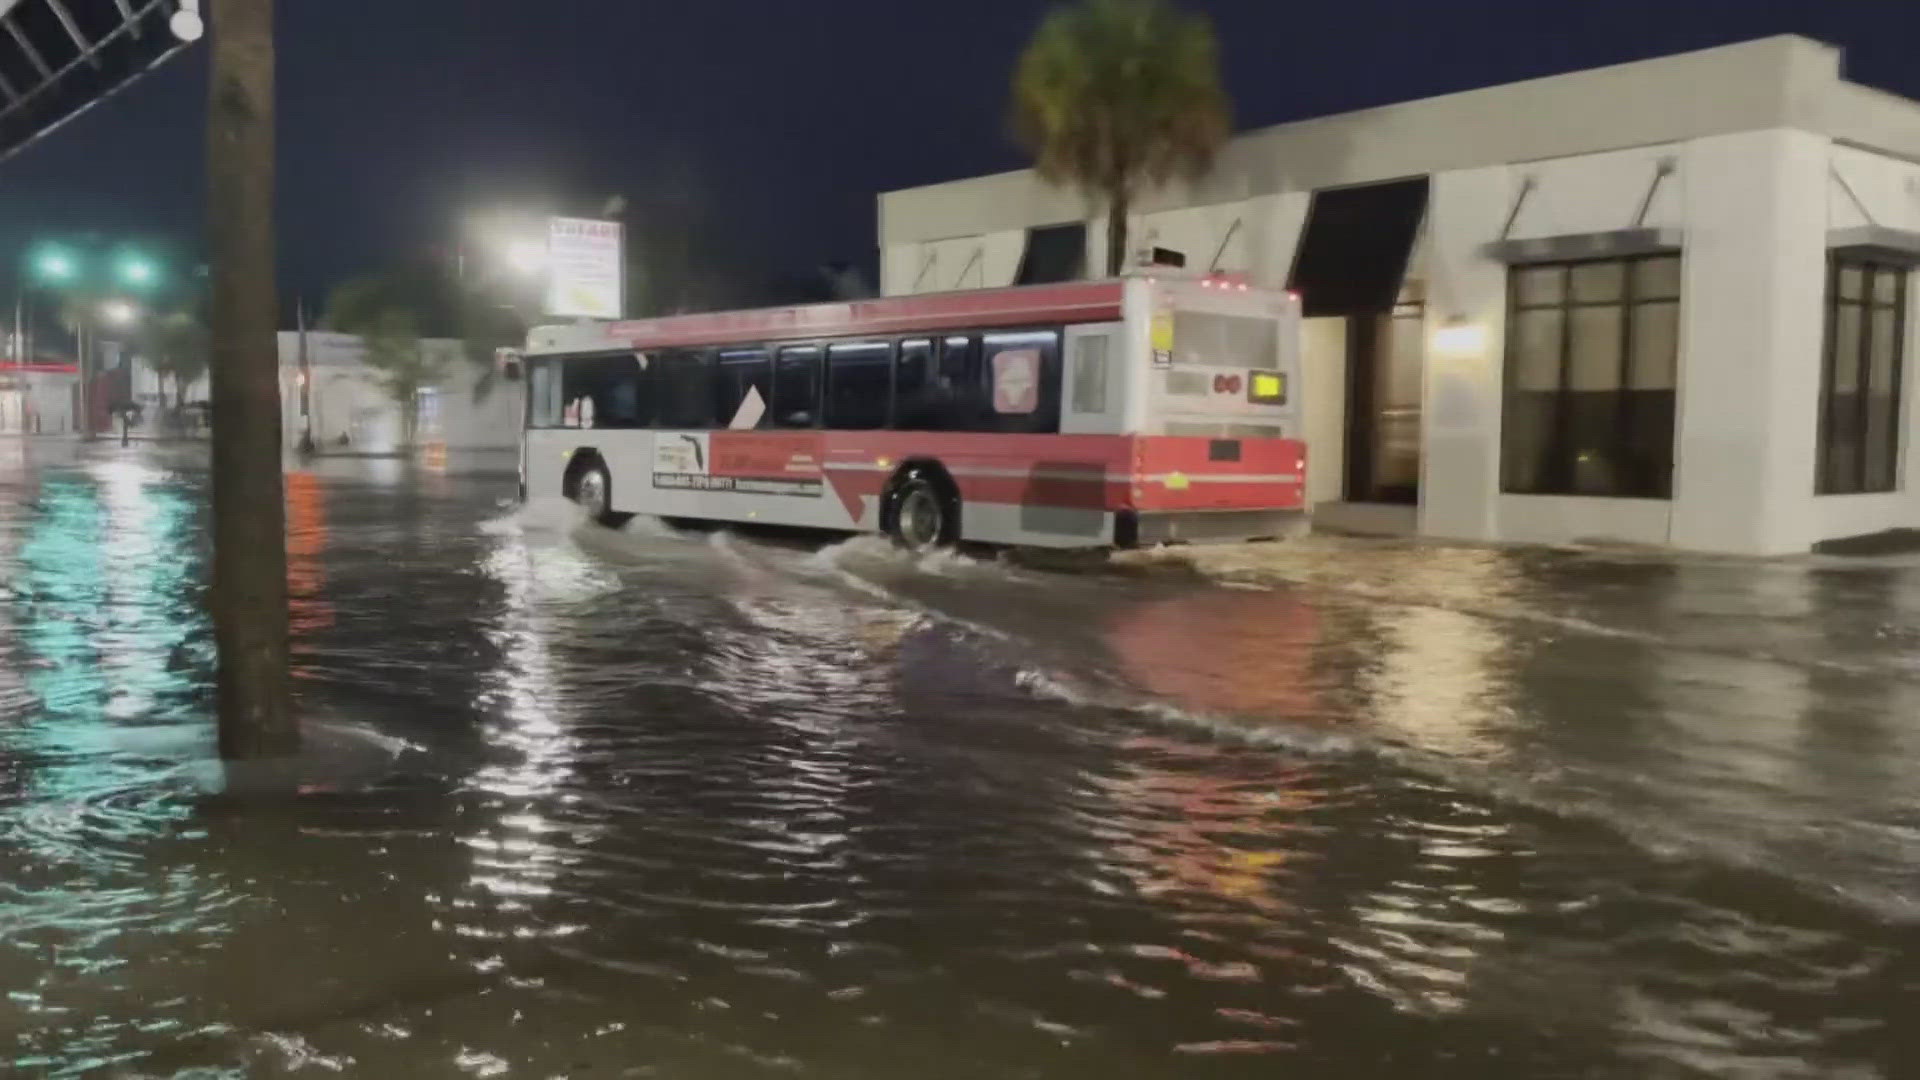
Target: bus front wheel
pixel 592 489
pixel 921 513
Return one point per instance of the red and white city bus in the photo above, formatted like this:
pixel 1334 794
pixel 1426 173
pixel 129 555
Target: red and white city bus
pixel 1116 413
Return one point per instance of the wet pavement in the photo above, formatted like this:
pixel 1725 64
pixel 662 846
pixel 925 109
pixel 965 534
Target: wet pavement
pixel 704 805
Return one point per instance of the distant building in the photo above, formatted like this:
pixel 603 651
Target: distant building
pixel 1664 302
pixel 347 407
pixel 350 409
pixel 38 399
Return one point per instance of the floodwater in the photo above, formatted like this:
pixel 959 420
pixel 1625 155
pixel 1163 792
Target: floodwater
pixel 702 806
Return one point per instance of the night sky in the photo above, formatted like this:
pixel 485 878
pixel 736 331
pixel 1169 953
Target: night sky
pixel 398 114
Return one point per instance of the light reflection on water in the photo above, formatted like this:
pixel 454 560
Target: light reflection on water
pixel 708 806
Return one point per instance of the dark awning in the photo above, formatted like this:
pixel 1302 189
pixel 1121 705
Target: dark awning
pixel 1882 243
pixel 59 57
pixel 1054 253
pixel 1354 250
pixel 1571 247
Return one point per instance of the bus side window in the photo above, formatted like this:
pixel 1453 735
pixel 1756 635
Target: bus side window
pixel 633 396
pixel 1020 381
pixel 544 404
pixel 912 382
pixel 618 387
pixel 859 382
pixel 963 398
pixel 735 371
pixel 796 387
pixel 683 389
pixel 576 387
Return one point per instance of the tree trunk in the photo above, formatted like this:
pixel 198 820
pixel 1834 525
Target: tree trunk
pixel 249 513
pixel 1117 204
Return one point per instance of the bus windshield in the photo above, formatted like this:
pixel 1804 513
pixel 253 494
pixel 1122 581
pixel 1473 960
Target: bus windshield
pixel 1208 339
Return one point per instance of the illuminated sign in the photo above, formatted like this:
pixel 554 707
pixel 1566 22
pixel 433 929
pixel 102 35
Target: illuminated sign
pixel 1267 388
pixel 586 269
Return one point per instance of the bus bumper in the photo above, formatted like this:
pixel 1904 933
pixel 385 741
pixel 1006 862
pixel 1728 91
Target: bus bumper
pixel 1138 528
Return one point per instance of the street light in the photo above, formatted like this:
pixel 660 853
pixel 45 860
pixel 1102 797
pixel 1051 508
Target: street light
pixel 138 271
pixel 55 267
pixel 49 266
pixel 119 313
pixel 186 24
pixel 527 257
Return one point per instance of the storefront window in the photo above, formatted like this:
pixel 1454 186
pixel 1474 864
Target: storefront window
pixel 1860 377
pixel 1592 355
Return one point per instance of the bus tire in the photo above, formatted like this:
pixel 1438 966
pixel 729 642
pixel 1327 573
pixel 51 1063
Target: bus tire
pixel 591 486
pixel 922 509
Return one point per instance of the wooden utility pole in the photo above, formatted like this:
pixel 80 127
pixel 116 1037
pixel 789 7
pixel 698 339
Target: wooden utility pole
pixel 249 511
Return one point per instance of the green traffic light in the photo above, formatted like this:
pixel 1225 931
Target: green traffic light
pixel 55 266
pixel 138 271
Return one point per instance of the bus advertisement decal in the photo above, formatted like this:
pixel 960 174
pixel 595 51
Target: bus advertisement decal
pixel 680 454
pixel 759 463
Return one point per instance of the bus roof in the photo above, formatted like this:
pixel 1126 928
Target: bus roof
pixel 1026 305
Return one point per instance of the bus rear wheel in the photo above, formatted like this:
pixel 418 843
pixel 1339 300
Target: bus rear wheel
pixel 921 514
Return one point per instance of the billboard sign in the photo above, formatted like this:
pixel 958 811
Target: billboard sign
pixel 586 269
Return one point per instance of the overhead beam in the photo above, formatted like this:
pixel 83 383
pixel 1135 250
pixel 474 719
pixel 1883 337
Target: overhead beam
pixel 17 99
pixel 132 22
pixel 73 31
pixel 26 46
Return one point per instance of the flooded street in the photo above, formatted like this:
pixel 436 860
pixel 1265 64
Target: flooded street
pixel 701 805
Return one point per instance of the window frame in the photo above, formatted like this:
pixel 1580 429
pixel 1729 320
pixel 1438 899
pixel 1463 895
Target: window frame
pixel 530 400
pixel 972 410
pixel 1049 412
pixel 557 364
pixel 929 373
pixel 719 367
pixel 1030 271
pixel 889 407
pixel 1860 481
pixel 701 357
pixel 780 351
pixel 1558 473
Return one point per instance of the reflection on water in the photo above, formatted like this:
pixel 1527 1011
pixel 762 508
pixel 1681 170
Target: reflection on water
pixel 308 610
pixel 699 805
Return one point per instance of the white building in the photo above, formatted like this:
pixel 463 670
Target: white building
pixel 38 400
pixel 350 408
pixel 1663 302
pixel 351 411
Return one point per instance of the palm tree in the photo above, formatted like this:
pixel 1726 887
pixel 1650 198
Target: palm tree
pixel 485 324
pixel 405 303
pixel 386 310
pixel 1117 96
pixel 175 347
pixel 249 598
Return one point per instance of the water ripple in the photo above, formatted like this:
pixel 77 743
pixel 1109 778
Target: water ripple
pixel 697 804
